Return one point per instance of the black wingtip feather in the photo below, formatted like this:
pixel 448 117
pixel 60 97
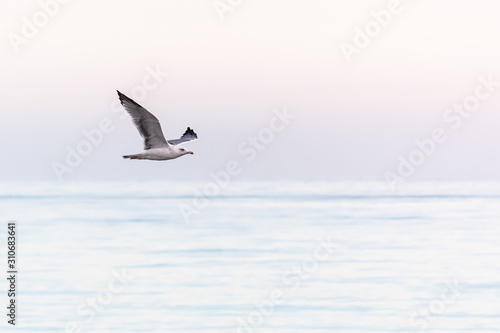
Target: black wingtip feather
pixel 124 98
pixel 190 132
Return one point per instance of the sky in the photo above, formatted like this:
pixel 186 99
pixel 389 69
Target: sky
pixel 286 89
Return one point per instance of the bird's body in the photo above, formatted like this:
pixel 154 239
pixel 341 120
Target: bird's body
pixel 156 154
pixel 156 148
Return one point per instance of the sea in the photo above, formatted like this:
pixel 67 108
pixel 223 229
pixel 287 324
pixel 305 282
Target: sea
pixel 277 257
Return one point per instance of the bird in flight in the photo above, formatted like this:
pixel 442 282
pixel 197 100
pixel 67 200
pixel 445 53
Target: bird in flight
pixel 156 148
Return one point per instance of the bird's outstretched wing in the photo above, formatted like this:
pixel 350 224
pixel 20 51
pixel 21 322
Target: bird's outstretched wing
pixel 189 135
pixel 148 125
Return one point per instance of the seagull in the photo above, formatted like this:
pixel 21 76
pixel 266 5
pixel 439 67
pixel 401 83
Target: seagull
pixel 156 148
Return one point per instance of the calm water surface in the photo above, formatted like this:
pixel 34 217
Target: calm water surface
pixel 260 257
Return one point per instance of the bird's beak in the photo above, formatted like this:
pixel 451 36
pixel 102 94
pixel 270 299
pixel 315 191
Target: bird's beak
pixel 191 153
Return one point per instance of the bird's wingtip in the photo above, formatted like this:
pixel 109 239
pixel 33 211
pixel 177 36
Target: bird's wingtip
pixel 190 132
pixel 122 97
pixel 125 99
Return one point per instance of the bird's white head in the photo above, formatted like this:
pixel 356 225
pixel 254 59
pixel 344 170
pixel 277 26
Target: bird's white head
pixel 184 151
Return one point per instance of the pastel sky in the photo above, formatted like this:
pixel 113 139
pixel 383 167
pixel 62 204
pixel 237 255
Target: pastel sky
pixel 229 70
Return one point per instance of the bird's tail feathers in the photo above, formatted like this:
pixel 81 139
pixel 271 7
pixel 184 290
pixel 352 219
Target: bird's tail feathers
pixel 132 157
